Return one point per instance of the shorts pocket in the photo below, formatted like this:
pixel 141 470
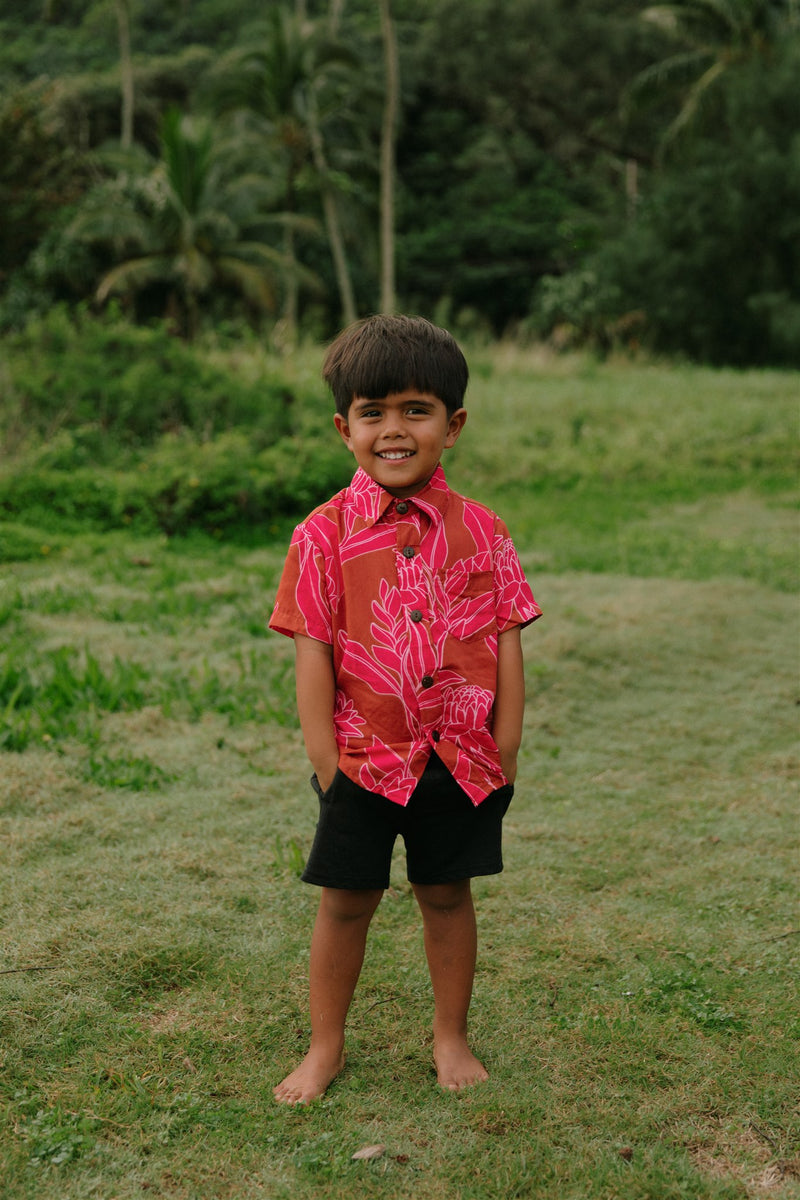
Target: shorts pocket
pixel 505 795
pixel 328 793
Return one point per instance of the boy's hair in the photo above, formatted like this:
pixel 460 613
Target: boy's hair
pixel 381 355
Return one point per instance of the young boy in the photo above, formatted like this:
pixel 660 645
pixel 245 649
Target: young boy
pixel 405 601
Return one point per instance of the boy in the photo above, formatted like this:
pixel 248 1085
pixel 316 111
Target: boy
pixel 406 603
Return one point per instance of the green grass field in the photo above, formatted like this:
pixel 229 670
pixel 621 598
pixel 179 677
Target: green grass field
pixel 636 1000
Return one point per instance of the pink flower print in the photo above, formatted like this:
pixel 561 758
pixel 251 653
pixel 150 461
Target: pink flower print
pixel 511 584
pixel 464 594
pixel 466 708
pixel 347 720
pixel 387 767
pixel 399 649
pixel 310 591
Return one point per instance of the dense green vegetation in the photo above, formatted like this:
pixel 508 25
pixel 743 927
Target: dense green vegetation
pixel 596 173
pixel 109 426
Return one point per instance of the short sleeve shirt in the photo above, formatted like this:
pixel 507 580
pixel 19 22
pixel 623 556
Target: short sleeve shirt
pixel 412 596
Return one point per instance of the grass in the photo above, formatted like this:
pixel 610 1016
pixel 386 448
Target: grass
pixel 636 998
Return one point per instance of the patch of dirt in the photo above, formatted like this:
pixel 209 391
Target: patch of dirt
pixel 746 1155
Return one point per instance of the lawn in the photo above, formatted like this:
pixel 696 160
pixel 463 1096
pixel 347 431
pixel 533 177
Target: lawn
pixel 636 998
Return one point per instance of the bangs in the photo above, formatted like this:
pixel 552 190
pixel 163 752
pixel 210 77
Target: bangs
pixel 384 355
pixel 397 368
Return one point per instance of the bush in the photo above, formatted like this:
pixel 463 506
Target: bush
pixel 130 385
pixel 216 486
pixel 119 427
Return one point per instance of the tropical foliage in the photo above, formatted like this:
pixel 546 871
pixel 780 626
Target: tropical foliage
pixel 642 193
pixel 184 225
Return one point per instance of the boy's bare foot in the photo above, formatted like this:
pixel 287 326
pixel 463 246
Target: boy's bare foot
pixel 457 1067
pixel 311 1079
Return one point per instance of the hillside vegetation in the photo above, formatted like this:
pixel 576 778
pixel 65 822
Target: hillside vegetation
pixel 604 174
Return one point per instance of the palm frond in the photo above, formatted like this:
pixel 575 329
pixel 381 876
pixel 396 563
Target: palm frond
pixel 252 281
pixel 693 101
pixel 135 274
pixel 187 147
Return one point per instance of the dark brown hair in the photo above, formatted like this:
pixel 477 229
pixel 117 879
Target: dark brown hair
pixel 381 355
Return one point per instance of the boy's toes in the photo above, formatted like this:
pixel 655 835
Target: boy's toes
pixel 310 1080
pixel 457 1068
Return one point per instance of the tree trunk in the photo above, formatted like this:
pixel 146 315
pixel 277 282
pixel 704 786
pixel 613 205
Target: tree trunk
pixel 291 303
pixel 126 72
pixel 334 17
pixel 329 204
pixel 631 187
pixel 388 143
pixel 331 213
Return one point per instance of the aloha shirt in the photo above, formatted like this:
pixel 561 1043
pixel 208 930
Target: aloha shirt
pixel 412 596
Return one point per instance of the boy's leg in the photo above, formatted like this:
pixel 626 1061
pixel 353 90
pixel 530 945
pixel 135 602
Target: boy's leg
pixel 451 942
pixel 337 954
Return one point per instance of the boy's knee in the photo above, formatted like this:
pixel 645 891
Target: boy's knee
pixel 342 904
pixel 443 897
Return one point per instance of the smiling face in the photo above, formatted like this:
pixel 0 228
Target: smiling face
pixel 399 439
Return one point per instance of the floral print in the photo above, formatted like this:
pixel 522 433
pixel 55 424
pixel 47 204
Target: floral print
pixel 412 596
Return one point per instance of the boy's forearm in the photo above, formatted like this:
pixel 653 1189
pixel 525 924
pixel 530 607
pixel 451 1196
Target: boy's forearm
pixel 509 706
pixel 316 695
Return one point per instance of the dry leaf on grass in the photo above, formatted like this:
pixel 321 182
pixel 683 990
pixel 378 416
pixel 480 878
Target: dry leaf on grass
pixel 369 1152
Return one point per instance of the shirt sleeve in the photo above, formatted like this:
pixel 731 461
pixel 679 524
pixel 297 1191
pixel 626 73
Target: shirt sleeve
pixel 301 602
pixel 514 600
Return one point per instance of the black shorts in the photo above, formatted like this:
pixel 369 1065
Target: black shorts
pixel 447 837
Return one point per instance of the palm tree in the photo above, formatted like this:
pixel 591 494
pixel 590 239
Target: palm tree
pixel 388 146
pixel 186 223
pixel 715 37
pixel 126 72
pixel 283 87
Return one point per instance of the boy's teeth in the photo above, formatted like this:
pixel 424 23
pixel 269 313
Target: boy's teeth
pixel 395 454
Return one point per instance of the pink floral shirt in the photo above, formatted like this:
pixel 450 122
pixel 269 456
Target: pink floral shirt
pixel 412 595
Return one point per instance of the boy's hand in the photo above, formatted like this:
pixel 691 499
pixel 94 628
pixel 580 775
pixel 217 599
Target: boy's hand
pixel 509 764
pixel 325 773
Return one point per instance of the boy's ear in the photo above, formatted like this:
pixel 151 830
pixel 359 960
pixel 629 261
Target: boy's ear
pixel 344 429
pixel 454 427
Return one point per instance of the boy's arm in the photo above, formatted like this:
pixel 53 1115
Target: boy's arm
pixel 316 694
pixel 509 704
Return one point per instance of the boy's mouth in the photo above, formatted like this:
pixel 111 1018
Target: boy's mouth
pixel 394 455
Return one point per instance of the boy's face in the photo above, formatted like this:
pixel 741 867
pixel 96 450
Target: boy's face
pixel 399 439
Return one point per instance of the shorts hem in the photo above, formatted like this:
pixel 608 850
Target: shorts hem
pixel 457 876
pixel 318 881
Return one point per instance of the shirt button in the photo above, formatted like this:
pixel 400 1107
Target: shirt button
pixel 408 552
pixel 416 615
pixel 402 508
pixel 436 735
pixel 427 681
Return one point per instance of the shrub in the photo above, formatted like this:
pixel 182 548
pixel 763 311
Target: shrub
pixel 216 486
pixel 114 426
pixel 128 385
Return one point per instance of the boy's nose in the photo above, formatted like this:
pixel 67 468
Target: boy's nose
pixel 393 426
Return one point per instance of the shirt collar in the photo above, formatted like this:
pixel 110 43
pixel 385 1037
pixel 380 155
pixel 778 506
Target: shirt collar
pixel 371 501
